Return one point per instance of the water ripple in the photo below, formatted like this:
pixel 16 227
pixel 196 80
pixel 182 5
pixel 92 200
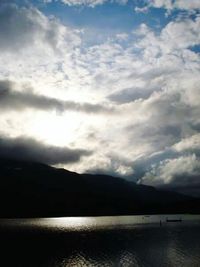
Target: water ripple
pixel 43 243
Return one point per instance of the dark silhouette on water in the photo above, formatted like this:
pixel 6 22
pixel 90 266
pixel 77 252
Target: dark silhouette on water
pixel 29 189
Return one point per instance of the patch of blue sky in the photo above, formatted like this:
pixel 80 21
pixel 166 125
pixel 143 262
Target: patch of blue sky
pixel 106 20
pixel 108 15
pixel 195 48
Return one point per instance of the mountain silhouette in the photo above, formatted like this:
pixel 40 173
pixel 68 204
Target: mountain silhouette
pixel 31 189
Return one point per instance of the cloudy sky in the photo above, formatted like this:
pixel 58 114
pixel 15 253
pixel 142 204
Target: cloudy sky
pixel 103 86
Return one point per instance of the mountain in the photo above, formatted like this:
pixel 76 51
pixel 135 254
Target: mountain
pixel 31 189
pixel 189 190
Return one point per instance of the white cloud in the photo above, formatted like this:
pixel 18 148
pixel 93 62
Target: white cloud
pixel 179 171
pixel 168 4
pixel 184 4
pixel 190 144
pixel 23 28
pixel 90 3
pixel 175 4
pixel 175 36
pixel 141 9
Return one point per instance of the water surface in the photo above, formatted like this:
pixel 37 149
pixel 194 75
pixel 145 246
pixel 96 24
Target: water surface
pixel 101 241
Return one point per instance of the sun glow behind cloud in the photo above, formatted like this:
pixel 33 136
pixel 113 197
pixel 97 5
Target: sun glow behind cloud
pixel 55 129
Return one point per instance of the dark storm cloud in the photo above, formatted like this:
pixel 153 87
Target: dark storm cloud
pixel 32 150
pixel 10 99
pixel 185 183
pixel 143 165
pixel 170 169
pixel 180 162
pixel 185 179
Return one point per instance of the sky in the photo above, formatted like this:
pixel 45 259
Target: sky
pixel 102 86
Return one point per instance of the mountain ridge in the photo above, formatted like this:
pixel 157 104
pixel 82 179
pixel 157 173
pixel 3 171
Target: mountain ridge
pixel 33 189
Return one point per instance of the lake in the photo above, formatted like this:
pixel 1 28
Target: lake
pixel 101 241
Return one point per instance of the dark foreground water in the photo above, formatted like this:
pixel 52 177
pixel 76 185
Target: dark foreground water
pixel 104 241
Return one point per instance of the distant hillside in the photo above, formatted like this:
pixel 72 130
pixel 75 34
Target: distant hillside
pixel 29 189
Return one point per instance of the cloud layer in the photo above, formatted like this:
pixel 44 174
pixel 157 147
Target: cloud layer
pixel 31 150
pixel 177 4
pixel 11 99
pixel 147 77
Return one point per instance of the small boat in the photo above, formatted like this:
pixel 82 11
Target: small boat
pixel 173 220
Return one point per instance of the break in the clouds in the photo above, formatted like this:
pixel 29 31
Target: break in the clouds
pixel 131 96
